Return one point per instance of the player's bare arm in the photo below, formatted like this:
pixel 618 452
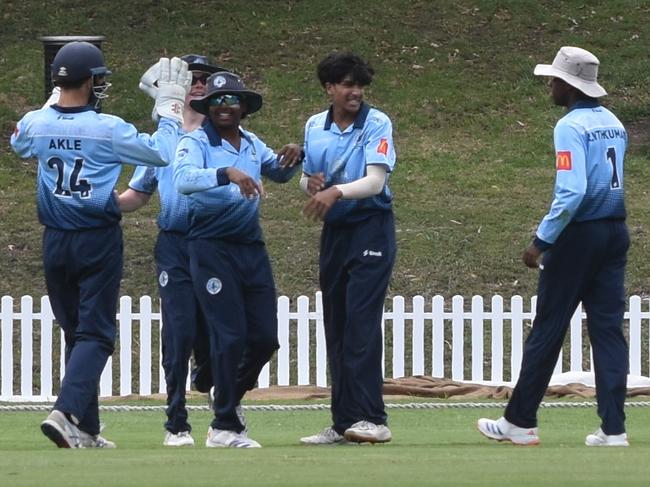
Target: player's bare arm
pixel 132 200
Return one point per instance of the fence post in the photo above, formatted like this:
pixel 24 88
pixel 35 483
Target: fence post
pixel 145 345
pixel 576 340
pixel 47 320
pixel 635 335
pixel 457 338
pixel 126 344
pixel 438 337
pixel 477 337
pixel 26 346
pixel 162 382
pixel 7 336
pixel 497 339
pixel 517 336
pixel 283 370
pixel 321 346
pixel 302 340
pixel 417 339
pixel 398 336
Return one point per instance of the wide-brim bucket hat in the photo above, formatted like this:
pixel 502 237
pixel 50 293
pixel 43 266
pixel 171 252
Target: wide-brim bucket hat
pixel 197 62
pixel 577 67
pixel 226 83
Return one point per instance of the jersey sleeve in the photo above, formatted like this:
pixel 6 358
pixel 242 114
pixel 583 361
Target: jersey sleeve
pixel 378 146
pixel 570 182
pixel 307 166
pixel 20 139
pixel 144 180
pixel 133 147
pixel 189 172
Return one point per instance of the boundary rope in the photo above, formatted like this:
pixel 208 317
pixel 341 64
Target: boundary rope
pixel 321 407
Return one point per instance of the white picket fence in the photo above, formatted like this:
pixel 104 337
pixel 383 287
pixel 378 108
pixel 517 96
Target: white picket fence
pixel 436 337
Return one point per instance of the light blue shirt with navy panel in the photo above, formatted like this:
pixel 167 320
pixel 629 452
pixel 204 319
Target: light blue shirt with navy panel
pixel 80 154
pixel 342 156
pixel 590 144
pixel 174 206
pixel 217 208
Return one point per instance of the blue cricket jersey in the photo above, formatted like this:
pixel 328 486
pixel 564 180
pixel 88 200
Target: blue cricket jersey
pixel 217 208
pixel 174 206
pixel 590 144
pixel 80 155
pixel 343 156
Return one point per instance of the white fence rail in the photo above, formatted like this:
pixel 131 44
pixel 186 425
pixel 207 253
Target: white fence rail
pixel 454 339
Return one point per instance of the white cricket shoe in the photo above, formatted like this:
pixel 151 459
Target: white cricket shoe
pixel 182 438
pixel 326 437
pixel 229 439
pixel 598 438
pixel 63 432
pixel 367 432
pixel 503 430
pixel 94 441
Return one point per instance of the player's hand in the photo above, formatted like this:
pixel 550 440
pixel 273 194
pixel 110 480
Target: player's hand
pixel 149 81
pixel 290 155
pixel 173 85
pixel 321 202
pixel 531 256
pixel 248 187
pixel 316 183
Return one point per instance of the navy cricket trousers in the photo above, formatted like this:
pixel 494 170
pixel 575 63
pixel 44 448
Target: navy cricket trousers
pixel 356 263
pixel 234 285
pixel 587 263
pixel 183 327
pixel 82 273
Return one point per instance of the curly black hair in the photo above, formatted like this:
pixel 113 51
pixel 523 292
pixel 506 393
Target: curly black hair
pixel 339 65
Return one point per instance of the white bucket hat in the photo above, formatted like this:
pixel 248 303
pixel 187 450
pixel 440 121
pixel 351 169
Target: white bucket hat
pixel 577 67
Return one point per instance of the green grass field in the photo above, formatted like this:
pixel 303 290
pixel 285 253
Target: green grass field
pixel 430 447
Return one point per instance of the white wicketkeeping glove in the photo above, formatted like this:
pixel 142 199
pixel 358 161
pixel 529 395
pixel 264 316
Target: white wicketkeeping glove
pixel 173 85
pixel 54 97
pixel 149 79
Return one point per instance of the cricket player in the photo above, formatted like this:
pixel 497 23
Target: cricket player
pixel 220 167
pixel 349 154
pixel 183 327
pixel 80 154
pixel 583 243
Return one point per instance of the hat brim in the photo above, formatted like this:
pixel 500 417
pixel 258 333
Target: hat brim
pixel 589 88
pixel 252 100
pixel 205 68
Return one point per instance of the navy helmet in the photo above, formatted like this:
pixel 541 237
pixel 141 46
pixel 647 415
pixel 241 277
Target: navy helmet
pixel 77 61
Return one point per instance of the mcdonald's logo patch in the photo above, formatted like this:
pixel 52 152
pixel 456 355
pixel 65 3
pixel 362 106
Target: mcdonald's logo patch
pixel 382 148
pixel 563 160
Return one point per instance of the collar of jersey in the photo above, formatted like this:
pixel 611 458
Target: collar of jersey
pixel 359 121
pixel 86 108
pixel 585 104
pixel 213 134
